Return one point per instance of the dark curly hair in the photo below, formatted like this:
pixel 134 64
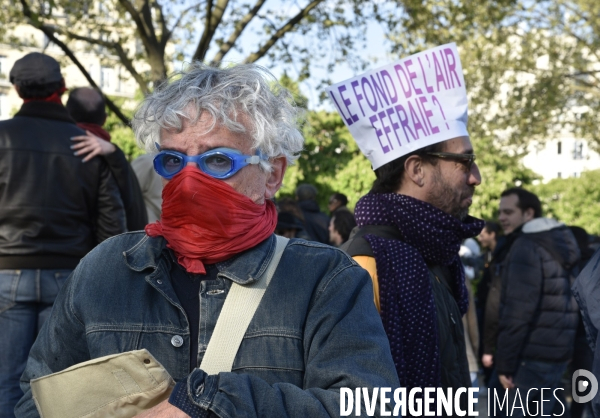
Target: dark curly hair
pixel 389 176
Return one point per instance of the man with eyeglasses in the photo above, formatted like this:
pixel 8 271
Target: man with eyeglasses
pixel 224 139
pixel 410 227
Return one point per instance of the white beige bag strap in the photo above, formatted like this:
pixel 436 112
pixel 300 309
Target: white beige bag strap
pixel 235 316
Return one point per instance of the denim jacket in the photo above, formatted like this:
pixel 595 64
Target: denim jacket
pixel 316 329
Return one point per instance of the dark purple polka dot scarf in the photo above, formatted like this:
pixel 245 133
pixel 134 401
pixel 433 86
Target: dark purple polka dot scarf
pixel 429 236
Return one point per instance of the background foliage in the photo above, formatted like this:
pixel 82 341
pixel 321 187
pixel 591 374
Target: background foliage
pixel 573 201
pixel 532 69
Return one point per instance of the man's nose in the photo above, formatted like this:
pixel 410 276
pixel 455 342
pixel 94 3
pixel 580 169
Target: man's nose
pixel 474 175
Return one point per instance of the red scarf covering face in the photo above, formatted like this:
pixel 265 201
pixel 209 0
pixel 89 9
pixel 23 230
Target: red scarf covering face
pixel 206 221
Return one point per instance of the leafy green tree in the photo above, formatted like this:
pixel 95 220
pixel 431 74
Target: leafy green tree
pixel 532 67
pixel 146 36
pixel 121 133
pixel 331 161
pixel 500 170
pixel 573 201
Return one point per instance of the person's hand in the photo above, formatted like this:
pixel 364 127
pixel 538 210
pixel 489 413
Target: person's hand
pixel 506 381
pixel 487 360
pixel 163 410
pixel 90 146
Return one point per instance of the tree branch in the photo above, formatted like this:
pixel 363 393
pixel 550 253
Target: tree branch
pixel 165 33
pixel 582 73
pixel 118 49
pixel 146 14
pixel 182 15
pixel 139 23
pixel 282 31
pixel 239 28
pixel 214 15
pixel 163 23
pixel 50 34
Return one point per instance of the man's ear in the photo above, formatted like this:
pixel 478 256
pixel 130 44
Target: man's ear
pixel 275 179
pixel 528 214
pixel 414 170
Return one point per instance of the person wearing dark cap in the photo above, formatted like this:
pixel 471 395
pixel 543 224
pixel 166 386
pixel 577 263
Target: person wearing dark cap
pixel 86 105
pixel 53 210
pixel 316 223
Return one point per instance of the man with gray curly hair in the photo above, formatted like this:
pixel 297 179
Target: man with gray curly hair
pixel 224 138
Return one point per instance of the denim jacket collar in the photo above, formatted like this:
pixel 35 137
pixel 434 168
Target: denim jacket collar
pixel 243 268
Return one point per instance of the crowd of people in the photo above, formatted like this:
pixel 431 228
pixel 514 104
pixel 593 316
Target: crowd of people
pixel 100 257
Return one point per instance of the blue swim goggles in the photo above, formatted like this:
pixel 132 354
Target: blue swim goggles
pixel 220 163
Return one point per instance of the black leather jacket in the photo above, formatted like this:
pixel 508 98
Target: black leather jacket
pixel 53 207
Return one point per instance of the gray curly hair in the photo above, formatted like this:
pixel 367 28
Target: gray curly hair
pixel 243 98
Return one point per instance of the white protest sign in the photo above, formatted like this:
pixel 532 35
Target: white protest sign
pixel 404 106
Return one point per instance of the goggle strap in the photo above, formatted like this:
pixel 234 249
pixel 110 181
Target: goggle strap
pixel 255 159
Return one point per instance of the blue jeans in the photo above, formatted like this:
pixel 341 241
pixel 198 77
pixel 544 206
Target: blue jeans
pixel 531 377
pixel 26 297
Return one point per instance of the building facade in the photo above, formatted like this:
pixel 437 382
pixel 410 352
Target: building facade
pixel 565 157
pixel 104 69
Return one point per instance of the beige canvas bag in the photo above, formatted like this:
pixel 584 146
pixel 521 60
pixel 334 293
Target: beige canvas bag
pixel 126 384
pixel 121 385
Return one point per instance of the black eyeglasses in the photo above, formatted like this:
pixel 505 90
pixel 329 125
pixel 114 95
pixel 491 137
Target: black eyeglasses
pixel 466 159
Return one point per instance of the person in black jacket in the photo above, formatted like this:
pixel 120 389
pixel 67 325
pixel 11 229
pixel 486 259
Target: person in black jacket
pixel 316 223
pixel 538 313
pixel 53 210
pixel 86 106
pixel 517 206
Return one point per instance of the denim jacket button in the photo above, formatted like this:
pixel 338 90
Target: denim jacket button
pixel 177 341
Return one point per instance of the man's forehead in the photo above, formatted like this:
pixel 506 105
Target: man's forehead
pixel 204 122
pixel 509 201
pixel 204 133
pixel 458 145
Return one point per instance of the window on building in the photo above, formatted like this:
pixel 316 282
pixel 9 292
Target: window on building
pixel 118 88
pixel 139 46
pixel 559 175
pixel 575 174
pixel 4 70
pixel 578 150
pixel 559 147
pixel 102 9
pixel 4 106
pixel 45 8
pixel 106 75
